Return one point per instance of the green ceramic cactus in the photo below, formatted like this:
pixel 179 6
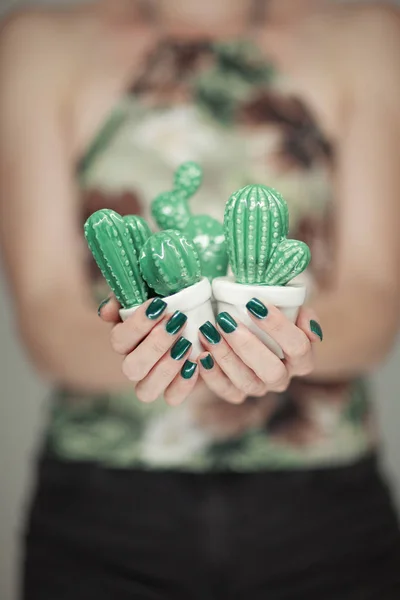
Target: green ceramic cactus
pixel 111 243
pixel 188 178
pixel 256 224
pixel 170 210
pixel 169 262
pixel 290 259
pixel 138 230
pixel 208 237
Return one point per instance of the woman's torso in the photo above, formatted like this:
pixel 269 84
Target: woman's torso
pixel 224 107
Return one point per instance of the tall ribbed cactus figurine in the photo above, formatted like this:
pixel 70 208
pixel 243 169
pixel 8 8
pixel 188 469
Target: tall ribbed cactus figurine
pixel 111 243
pixel 170 210
pixel 256 224
pixel 209 240
pixel 138 230
pixel 169 262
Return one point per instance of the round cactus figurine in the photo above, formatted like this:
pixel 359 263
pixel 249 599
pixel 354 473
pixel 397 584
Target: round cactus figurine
pixel 169 262
pixel 256 224
pixel 170 210
pixel 208 237
pixel 111 243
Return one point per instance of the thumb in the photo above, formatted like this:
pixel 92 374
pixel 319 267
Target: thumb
pixel 108 310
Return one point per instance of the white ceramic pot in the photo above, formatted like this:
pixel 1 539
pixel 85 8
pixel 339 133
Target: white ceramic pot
pixel 195 302
pixel 232 297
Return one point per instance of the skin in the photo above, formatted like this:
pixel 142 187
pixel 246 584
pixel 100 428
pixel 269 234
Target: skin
pixel 342 61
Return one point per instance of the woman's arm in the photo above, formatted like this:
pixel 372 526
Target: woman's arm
pixel 345 63
pixel 40 231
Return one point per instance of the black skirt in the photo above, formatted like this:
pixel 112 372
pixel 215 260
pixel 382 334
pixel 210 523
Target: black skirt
pixel 103 534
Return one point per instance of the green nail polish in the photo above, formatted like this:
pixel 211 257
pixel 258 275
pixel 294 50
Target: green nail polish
pixel 103 303
pixel 257 308
pixel 207 362
pixel 226 322
pixel 188 369
pixel 210 333
pixel 176 322
pixel 155 308
pixel 316 328
pixel 180 348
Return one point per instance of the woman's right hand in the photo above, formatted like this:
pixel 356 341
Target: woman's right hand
pixel 154 350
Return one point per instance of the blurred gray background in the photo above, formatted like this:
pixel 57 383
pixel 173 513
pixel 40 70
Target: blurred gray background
pixel 22 411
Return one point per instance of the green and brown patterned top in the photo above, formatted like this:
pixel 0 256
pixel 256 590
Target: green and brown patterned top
pixel 223 107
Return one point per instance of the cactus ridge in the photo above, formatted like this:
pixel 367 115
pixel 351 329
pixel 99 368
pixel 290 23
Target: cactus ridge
pixel 169 262
pixel 113 250
pixel 290 259
pixel 256 223
pixel 138 231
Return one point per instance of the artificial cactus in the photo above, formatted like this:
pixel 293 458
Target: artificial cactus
pixel 111 243
pixel 256 224
pixel 170 210
pixel 138 230
pixel 208 237
pixel 169 262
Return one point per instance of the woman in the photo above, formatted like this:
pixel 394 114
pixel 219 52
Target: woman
pixel 251 487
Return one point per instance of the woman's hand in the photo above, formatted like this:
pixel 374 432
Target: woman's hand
pixel 154 350
pixel 238 364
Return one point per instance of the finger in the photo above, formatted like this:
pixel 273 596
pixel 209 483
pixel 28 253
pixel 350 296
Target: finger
pixel 164 372
pixel 295 344
pixel 108 310
pixel 308 322
pixel 183 384
pixel 161 339
pixel 217 381
pixel 267 366
pixel 242 377
pixel 126 336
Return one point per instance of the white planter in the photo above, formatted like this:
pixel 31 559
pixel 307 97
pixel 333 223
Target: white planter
pixel 195 302
pixel 232 297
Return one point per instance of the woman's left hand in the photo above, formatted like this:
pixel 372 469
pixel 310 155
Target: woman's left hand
pixel 238 364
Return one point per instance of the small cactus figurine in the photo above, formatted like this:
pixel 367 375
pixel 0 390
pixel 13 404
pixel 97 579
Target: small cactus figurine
pixel 113 242
pixel 170 210
pixel 256 224
pixel 169 262
pixel 208 237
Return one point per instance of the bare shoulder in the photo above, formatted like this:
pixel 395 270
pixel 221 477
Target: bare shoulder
pixel 42 45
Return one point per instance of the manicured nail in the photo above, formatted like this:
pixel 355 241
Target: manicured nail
pixel 180 348
pixel 188 369
pixel 316 328
pixel 155 308
pixel 211 334
pixel 103 303
pixel 207 362
pixel 257 308
pixel 176 322
pixel 226 322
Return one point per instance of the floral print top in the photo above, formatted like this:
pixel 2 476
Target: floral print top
pixel 223 107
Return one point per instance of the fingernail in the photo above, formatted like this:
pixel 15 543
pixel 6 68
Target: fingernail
pixel 180 348
pixel 155 308
pixel 257 308
pixel 103 303
pixel 207 362
pixel 226 322
pixel 211 334
pixel 316 328
pixel 176 322
pixel 188 369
